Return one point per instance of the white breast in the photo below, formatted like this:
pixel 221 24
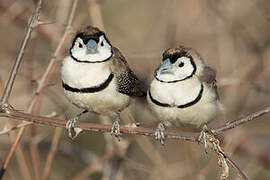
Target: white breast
pixel 176 93
pixel 181 93
pixel 83 75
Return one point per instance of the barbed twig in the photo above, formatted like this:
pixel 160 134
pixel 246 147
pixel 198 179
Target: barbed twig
pixel 33 22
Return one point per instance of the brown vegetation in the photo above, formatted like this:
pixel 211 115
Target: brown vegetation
pixel 232 36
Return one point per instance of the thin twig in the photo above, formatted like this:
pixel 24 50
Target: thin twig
pixel 233 124
pixel 223 159
pixel 233 164
pixel 34 152
pixel 23 162
pixel 7 130
pixel 46 76
pixel 51 33
pixel 33 145
pixel 10 154
pixel 34 107
pixel 33 22
pixel 53 148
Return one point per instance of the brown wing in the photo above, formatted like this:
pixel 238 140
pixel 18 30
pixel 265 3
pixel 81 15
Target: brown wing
pixel 128 82
pixel 209 76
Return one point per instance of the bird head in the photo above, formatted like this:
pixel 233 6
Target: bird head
pixel 91 45
pixel 178 64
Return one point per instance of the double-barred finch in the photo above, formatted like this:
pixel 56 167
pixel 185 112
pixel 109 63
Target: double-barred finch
pixel 97 78
pixel 183 91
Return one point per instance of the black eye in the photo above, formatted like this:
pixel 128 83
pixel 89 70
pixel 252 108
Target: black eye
pixel 102 44
pixel 80 45
pixel 181 64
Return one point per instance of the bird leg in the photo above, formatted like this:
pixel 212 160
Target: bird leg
pixel 71 123
pixel 115 130
pixel 202 137
pixel 159 133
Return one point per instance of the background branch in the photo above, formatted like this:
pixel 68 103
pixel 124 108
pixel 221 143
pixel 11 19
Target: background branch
pixel 44 80
pixel 233 124
pixel 33 22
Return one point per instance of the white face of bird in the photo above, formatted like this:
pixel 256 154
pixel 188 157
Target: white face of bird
pixel 176 68
pixel 94 50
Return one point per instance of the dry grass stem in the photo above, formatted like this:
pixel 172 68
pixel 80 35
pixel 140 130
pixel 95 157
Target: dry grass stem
pixel 50 157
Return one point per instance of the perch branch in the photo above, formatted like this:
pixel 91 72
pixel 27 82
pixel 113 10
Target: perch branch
pixel 133 129
pixel 129 129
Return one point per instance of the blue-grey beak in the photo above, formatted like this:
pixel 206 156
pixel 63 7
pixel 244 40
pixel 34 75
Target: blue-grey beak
pixel 91 46
pixel 166 63
pixel 166 67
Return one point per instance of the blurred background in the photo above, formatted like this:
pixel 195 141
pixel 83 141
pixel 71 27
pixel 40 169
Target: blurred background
pixel 232 37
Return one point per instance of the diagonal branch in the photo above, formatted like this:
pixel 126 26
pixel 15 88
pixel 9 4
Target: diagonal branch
pixel 250 117
pixel 33 22
pixel 233 164
pixel 42 83
pixel 37 99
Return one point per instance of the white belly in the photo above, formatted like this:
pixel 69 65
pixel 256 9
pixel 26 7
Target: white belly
pixel 195 115
pixel 83 75
pixel 106 102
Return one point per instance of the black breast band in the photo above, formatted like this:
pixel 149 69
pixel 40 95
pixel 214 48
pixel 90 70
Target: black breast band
pixel 84 61
pixel 178 106
pixel 157 102
pixel 90 89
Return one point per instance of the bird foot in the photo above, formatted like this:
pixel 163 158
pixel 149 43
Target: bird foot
pixel 202 138
pixel 159 133
pixel 70 126
pixel 115 130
